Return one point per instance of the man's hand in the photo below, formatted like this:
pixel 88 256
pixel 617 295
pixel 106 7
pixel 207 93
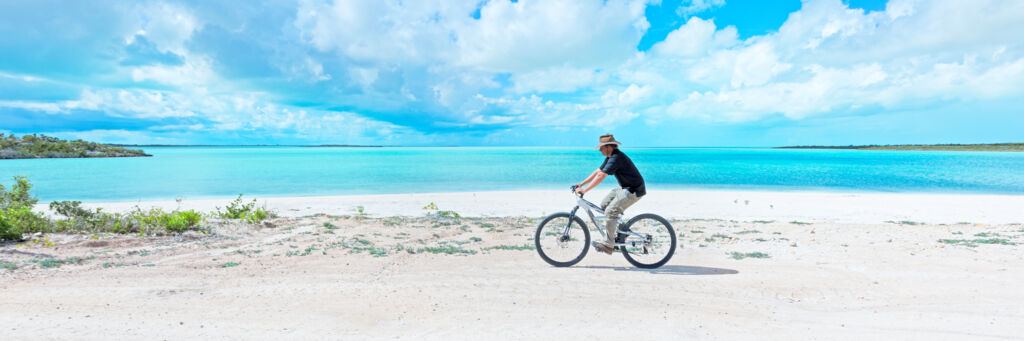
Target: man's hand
pixel 579 190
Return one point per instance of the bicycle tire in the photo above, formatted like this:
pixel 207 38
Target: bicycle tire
pixel 540 234
pixel 672 246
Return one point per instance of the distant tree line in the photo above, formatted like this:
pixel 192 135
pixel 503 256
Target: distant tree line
pixel 992 147
pixel 41 146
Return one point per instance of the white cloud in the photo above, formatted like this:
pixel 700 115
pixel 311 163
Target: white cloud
pixel 828 57
pixel 374 30
pixel 696 38
pixel 194 72
pixel 167 25
pixel 556 79
pixel 534 35
pixel 698 6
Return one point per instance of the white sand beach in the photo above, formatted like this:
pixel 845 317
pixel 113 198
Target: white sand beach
pixel 838 266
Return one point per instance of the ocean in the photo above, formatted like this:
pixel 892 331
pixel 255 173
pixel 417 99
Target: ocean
pixel 222 172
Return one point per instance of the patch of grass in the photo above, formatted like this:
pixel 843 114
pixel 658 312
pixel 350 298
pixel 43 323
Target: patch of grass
pixel 795 222
pixel 986 234
pixel 776 232
pixel 748 232
pixel 719 235
pixel 760 240
pixel 696 231
pixel 739 255
pixel 905 222
pixel 476 239
pixel 958 233
pixel 485 225
pixel 446 249
pixel 229 265
pixel 523 247
pixel 330 226
pixel 8 266
pixel 56 263
pixel 763 221
pixel 432 210
pixel 975 242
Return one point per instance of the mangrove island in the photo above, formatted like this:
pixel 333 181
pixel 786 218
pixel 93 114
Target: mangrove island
pixel 41 146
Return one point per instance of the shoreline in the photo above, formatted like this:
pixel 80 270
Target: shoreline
pixel 822 207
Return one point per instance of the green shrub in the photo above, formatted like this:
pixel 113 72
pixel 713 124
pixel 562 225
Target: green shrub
pixel 24 219
pixel 257 216
pixel 18 195
pixel 71 209
pixel 16 205
pixel 191 217
pixel 152 221
pixel 7 231
pixel 239 209
pixel 180 221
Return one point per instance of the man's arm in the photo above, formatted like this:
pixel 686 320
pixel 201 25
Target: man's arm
pixel 589 178
pixel 597 177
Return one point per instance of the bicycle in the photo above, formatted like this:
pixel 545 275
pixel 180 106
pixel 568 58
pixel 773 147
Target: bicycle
pixel 646 240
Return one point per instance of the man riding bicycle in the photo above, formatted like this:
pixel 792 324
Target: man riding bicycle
pixel 631 186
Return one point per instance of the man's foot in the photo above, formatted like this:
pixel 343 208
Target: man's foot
pixel 602 247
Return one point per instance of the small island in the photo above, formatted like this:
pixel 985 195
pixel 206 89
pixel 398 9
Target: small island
pixel 994 147
pixel 41 146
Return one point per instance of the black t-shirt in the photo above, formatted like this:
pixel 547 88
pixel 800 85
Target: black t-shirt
pixel 625 172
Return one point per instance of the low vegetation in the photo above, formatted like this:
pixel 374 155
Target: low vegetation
pixel 17 217
pixel 975 242
pixel 42 146
pixel 740 255
pixel 240 209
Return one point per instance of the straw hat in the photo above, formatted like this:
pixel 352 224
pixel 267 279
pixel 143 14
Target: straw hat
pixel 606 139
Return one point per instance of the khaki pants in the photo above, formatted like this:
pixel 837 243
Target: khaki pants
pixel 616 202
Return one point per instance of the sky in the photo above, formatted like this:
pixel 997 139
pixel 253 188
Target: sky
pixel 514 73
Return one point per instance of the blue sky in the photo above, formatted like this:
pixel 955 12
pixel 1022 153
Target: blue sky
pixel 530 72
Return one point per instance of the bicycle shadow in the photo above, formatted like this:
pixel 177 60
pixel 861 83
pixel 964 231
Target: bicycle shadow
pixel 670 270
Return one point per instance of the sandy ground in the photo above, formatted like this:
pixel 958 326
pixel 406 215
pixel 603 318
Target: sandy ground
pixel 938 273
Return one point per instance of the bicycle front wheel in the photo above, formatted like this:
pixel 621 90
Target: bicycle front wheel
pixel 562 242
pixel 655 245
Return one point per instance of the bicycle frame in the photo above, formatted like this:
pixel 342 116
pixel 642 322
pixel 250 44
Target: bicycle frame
pixel 589 207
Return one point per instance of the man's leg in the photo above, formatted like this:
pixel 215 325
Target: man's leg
pixel 605 206
pixel 620 201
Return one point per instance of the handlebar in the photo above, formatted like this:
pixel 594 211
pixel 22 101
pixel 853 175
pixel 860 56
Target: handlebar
pixel 573 189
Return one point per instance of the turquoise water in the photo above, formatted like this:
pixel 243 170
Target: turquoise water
pixel 216 172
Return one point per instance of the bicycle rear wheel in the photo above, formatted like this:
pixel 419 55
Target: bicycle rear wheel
pixel 558 246
pixel 656 246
